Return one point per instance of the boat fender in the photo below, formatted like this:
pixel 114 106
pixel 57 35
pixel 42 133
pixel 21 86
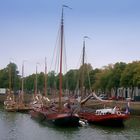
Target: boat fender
pixel 83 122
pixel 118 112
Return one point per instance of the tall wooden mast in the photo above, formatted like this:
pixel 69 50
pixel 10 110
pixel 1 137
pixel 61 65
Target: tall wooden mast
pixel 83 59
pixel 22 83
pixel 61 54
pixel 45 81
pixel 36 81
pixel 10 78
pixel 83 68
pixel 61 57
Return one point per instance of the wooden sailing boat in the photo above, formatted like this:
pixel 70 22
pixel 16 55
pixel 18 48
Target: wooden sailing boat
pixel 22 107
pixel 106 116
pixel 61 115
pixel 9 103
pixel 40 102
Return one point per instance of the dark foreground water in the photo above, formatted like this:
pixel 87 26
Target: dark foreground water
pixel 18 126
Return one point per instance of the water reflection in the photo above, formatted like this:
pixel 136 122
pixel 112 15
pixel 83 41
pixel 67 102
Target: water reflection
pixel 18 126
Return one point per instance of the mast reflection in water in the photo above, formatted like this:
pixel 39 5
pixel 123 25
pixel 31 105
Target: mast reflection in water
pixel 18 126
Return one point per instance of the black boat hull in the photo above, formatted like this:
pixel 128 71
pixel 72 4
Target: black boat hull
pixel 67 121
pixel 63 119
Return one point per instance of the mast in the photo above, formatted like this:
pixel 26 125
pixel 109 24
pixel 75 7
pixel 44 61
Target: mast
pixel 83 67
pixel 22 84
pixel 10 79
pixel 36 81
pixel 61 57
pixel 61 54
pixel 82 76
pixel 83 61
pixel 45 81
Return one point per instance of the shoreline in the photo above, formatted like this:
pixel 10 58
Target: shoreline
pixel 93 104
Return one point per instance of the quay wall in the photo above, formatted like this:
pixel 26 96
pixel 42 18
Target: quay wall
pixel 94 104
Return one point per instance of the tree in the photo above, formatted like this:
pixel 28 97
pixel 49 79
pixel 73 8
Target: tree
pixel 51 80
pixel 115 76
pixel 83 75
pixel 10 75
pixel 92 76
pixel 4 78
pixel 30 82
pixel 41 79
pixel 102 78
pixel 71 79
pixel 131 76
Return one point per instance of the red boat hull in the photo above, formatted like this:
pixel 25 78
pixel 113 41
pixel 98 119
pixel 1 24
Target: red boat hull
pixel 107 119
pixel 37 114
pixel 62 118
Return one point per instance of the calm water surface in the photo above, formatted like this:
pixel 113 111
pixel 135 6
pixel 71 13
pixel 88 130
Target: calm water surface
pixel 19 126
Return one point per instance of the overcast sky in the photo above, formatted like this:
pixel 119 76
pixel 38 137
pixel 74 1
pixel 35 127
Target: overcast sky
pixel 29 28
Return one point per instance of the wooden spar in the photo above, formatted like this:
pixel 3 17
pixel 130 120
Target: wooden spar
pixel 61 57
pixel 45 81
pixel 36 82
pixel 83 68
pixel 22 84
pixel 10 79
pixel 82 76
pixel 83 61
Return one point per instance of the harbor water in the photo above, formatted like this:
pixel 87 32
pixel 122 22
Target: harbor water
pixel 20 126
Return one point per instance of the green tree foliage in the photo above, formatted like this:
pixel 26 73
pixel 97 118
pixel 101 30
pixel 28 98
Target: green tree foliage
pixel 92 76
pixel 71 79
pixel 136 77
pixel 41 80
pixel 115 76
pixel 83 74
pixel 30 82
pixel 102 79
pixel 51 79
pixel 130 76
pixel 4 78
pixel 6 73
pixel 112 76
pixel 109 77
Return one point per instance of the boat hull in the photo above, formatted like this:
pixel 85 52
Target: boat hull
pixel 61 118
pixel 108 119
pixel 65 120
pixel 36 114
pixel 10 109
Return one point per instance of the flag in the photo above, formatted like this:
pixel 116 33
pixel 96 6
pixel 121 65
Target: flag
pixel 67 6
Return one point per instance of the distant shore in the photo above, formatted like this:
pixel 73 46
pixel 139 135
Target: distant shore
pixel 94 104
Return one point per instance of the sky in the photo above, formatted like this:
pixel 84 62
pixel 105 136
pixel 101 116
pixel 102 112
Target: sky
pixel 29 28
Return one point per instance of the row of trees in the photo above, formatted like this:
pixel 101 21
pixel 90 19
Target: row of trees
pixel 105 79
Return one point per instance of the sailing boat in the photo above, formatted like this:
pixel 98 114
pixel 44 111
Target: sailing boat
pixel 106 116
pixel 40 102
pixel 22 107
pixel 10 104
pixel 61 115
